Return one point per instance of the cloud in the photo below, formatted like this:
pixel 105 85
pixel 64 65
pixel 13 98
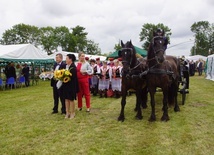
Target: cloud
pixel 107 22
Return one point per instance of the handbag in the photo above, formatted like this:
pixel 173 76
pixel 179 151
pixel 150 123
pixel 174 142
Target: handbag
pixel 110 93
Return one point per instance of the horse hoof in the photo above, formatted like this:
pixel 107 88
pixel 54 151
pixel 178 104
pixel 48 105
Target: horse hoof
pixel 165 118
pixel 145 106
pixel 121 118
pixel 176 109
pixel 152 119
pixel 139 117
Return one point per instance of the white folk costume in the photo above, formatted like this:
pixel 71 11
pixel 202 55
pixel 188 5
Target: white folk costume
pixel 95 79
pixel 105 78
pixel 116 78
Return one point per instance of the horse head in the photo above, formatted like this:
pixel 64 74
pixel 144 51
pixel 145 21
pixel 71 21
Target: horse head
pixel 157 47
pixel 128 55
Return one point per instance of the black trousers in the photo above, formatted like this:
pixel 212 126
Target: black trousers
pixel 57 94
pixel 27 81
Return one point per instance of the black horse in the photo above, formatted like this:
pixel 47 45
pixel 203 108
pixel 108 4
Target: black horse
pixel 163 72
pixel 131 67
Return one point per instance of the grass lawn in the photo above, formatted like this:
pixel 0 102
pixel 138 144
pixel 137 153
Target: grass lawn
pixel 28 127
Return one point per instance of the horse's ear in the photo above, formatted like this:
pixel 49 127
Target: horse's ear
pixel 122 44
pixel 130 42
pixel 120 53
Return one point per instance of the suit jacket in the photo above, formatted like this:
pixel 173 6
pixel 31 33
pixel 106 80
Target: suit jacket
pixel 62 66
pixel 25 71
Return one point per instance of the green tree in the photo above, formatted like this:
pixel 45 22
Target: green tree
pixel 51 38
pixel 62 35
pixel 92 48
pixel 117 47
pixel 147 30
pixel 21 34
pixel 48 39
pixel 204 37
pixel 79 37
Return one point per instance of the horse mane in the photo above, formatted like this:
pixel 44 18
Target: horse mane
pixel 150 53
pixel 134 60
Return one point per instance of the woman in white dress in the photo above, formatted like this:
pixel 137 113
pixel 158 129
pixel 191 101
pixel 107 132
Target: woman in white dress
pixel 105 78
pixel 116 78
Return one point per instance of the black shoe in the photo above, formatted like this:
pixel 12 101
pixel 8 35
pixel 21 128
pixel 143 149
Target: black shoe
pixel 63 113
pixel 54 112
pixel 80 109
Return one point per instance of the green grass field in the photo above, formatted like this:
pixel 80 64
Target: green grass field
pixel 28 127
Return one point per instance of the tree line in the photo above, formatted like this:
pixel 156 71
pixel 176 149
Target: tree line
pixel 51 38
pixel 75 39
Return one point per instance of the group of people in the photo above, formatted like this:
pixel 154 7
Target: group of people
pixel 87 76
pixel 106 77
pixel 192 66
pixel 16 72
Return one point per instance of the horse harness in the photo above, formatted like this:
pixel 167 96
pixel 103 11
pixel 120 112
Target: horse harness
pixel 131 70
pixel 158 71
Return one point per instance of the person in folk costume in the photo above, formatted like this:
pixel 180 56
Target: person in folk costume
pixel 70 87
pixel 111 63
pixel 105 78
pixel 95 77
pixel 116 78
pixel 120 62
pixel 84 70
pixel 98 62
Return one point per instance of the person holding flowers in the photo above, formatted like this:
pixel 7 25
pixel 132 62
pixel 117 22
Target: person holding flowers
pixel 69 85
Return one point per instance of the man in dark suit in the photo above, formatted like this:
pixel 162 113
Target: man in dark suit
pixel 199 67
pixel 11 72
pixel 25 72
pixel 57 93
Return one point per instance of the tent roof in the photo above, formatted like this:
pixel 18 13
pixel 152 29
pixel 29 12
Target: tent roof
pixel 64 53
pixel 138 50
pixel 23 52
pixel 197 57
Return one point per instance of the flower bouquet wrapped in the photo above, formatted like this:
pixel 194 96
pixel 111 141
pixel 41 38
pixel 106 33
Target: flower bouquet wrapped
pixel 63 76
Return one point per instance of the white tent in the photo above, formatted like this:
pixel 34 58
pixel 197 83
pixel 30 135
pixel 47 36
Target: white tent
pixel 64 53
pixel 197 57
pixel 23 52
pixel 210 67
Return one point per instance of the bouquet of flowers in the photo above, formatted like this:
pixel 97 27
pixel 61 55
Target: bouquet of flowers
pixel 62 75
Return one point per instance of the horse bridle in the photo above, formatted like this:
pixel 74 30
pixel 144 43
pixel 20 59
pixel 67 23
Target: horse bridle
pixel 128 49
pixel 153 43
pixel 124 61
pixel 155 50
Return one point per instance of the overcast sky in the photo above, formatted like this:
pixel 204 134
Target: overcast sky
pixel 108 21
